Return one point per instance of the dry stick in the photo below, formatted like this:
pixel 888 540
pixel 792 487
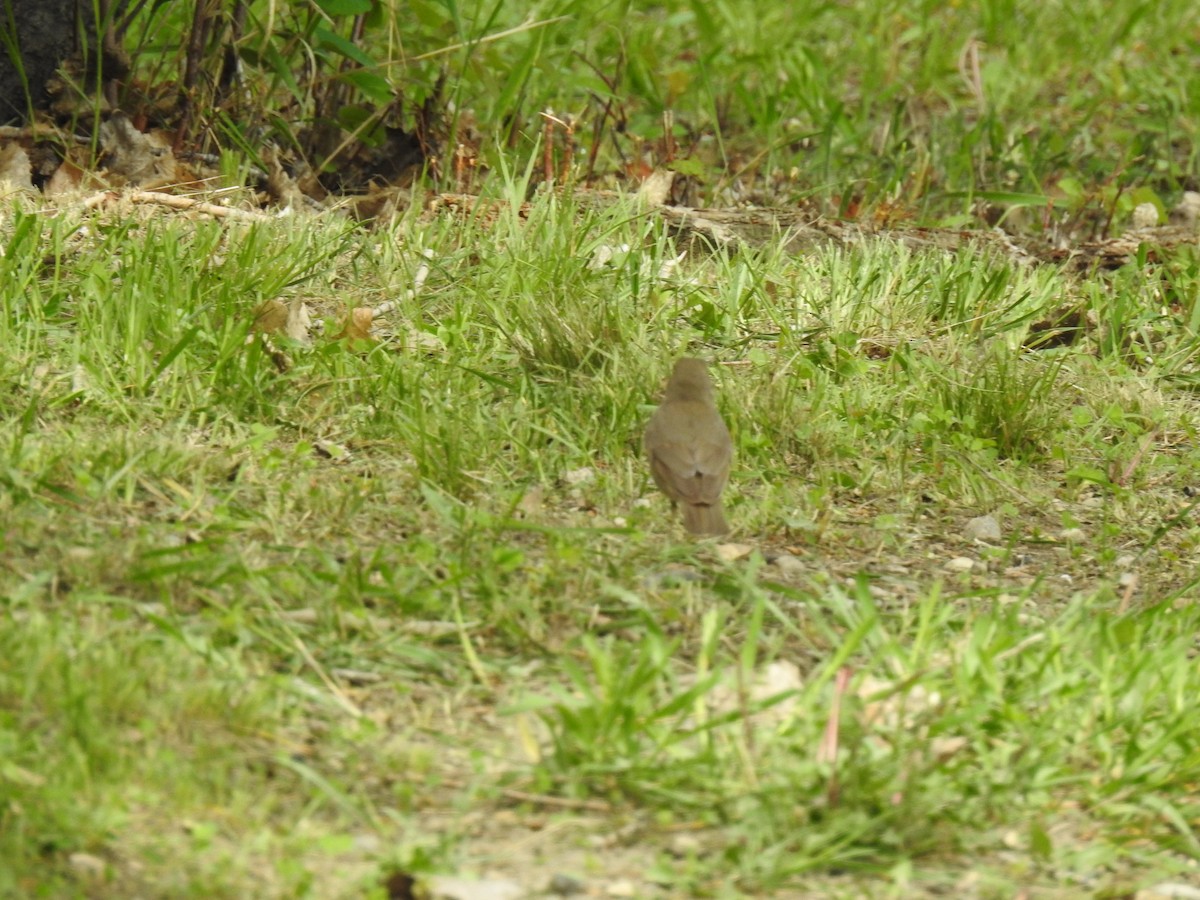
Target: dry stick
pixel 599 806
pixel 191 73
pixel 827 751
pixel 597 137
pixel 548 145
pixel 598 133
pixel 568 149
pixel 668 121
pixel 36 130
pixel 461 167
pixel 1130 587
pixel 564 802
pixel 338 694
pixel 1127 472
pixel 176 202
pixel 418 281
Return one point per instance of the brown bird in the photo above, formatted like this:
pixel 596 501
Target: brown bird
pixel 689 448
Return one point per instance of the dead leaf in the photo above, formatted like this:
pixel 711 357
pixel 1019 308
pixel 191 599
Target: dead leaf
pixel 67 179
pixel 531 503
pixel 144 160
pixel 447 887
pixel 358 325
pixel 299 321
pixel 15 169
pixel 270 317
pixel 657 187
pixel 731 552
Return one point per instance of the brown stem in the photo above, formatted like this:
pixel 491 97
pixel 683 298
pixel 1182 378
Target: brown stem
pixel 191 72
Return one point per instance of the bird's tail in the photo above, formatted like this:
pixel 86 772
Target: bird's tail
pixel 704 519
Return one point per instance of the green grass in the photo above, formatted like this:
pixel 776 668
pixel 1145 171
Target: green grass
pixel 282 629
pixel 1062 116
pixel 201 551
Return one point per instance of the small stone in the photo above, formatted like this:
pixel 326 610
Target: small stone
pixel 642 503
pixel 565 885
pixel 621 888
pixel 670 577
pixel 730 552
pixel 983 528
pixel 357 677
pixel 1073 535
pixel 685 845
pixel 1145 215
pixel 1187 213
pixel 445 887
pixel 961 564
pixel 368 843
pixel 788 564
pixel 579 476
pixel 86 864
pixel 531 501
pixel 1173 890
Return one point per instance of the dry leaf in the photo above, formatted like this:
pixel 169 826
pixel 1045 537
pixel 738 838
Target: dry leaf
pixel 358 325
pixel 270 317
pixel 15 169
pixel 657 187
pixel 143 159
pixel 731 552
pixel 67 179
pixel 299 321
pixel 531 503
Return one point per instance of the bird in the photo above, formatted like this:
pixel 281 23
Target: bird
pixel 689 448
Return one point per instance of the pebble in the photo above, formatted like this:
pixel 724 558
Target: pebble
pixel 685 845
pixel 1188 210
pixel 788 564
pixel 983 528
pixel 730 552
pixel 961 564
pixel 446 887
pixel 86 864
pixel 579 476
pixel 1168 889
pixel 1145 215
pixel 565 885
